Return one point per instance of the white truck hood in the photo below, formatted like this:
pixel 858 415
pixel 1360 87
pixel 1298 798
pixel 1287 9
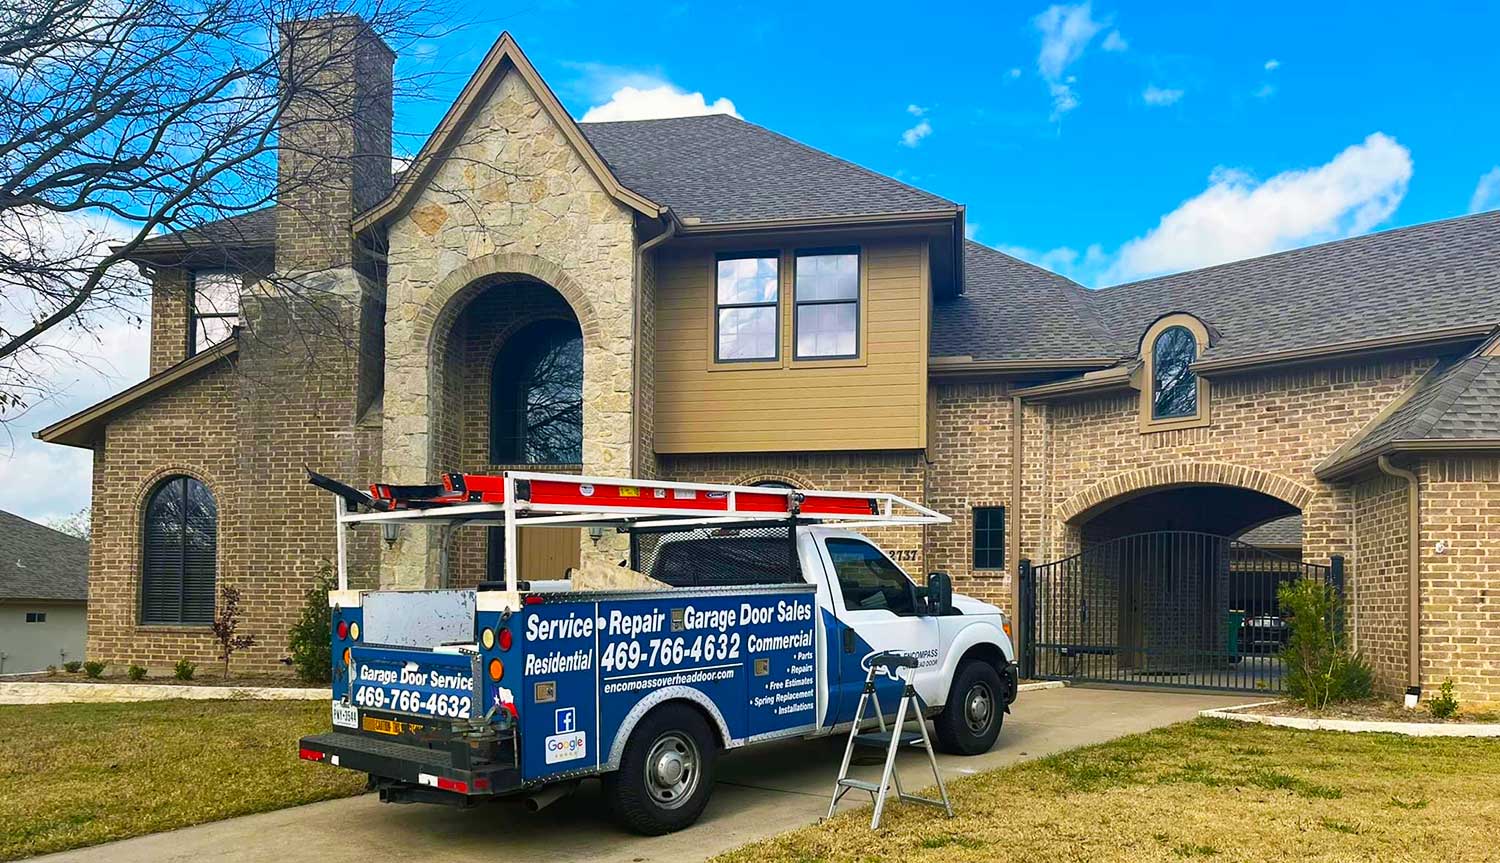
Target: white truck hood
pixel 970 605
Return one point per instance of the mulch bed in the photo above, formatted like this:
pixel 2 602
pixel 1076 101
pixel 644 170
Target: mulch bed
pixel 1374 710
pixel 209 680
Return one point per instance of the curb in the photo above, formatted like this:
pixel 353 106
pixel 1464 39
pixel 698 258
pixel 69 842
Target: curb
pixel 1041 684
pixel 1410 729
pixel 35 692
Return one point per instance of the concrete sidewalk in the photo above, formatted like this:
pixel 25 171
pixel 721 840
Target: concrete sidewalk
pixel 762 791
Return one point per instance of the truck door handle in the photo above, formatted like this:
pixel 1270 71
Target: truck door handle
pixel 848 640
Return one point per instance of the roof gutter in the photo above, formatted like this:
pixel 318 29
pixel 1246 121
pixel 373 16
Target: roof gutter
pixel 690 226
pixel 1339 470
pixel 1115 378
pixel 965 366
pixel 637 291
pixel 1414 584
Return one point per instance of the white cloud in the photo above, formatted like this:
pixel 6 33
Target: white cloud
pixel 1237 217
pixel 1160 96
pixel 915 110
pixel 1015 72
pixel 654 103
pixel 1115 42
pixel 913 136
pixel 1265 91
pixel 1487 192
pixel 1066 32
pixel 971 230
pixel 1083 267
pixel 1272 65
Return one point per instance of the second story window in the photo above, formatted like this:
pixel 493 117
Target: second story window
pixel 746 313
pixel 826 294
pixel 1174 387
pixel 215 309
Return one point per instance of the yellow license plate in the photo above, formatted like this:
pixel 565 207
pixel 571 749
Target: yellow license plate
pixel 382 726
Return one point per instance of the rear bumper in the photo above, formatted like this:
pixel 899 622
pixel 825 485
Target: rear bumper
pixel 442 771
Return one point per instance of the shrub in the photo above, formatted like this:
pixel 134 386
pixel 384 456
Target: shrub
pixel 310 639
pixel 135 672
pixel 227 624
pixel 51 671
pixel 94 668
pixel 1445 705
pixel 72 666
pixel 1320 670
pixel 184 670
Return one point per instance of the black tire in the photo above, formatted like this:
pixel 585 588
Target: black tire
pixel 971 720
pixel 653 800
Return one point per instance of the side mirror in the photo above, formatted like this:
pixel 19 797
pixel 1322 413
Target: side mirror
pixel 939 594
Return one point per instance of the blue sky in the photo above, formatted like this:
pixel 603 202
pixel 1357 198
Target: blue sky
pixel 1106 141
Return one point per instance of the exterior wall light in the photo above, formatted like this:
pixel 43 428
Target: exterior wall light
pixel 390 532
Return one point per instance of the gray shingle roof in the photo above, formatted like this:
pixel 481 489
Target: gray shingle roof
pixel 721 169
pixel 1408 280
pixel 1284 531
pixel 256 227
pixel 1460 401
pixel 1014 310
pixel 37 562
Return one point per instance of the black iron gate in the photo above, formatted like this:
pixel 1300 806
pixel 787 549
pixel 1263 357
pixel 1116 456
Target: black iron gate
pixel 1168 608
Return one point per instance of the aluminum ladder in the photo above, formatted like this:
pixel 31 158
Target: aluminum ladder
pixel 891 663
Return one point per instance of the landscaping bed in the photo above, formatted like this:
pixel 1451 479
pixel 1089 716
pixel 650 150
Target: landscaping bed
pixel 1205 790
pixel 1373 710
pixel 80 774
pixel 236 682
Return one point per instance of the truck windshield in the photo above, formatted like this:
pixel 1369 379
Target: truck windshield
pixel 868 580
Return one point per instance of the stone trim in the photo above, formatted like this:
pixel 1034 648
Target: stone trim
pixel 1183 473
pixel 799 480
pixel 440 305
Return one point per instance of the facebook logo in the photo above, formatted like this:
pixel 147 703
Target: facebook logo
pixel 566 720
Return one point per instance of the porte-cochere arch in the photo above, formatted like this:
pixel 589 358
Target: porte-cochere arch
pixel 1120 487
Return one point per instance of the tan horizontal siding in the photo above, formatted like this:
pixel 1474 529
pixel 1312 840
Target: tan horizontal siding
pixel 877 402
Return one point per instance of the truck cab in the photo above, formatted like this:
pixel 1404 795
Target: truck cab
pixel 741 630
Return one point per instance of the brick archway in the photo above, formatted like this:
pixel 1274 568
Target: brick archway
pixel 1125 485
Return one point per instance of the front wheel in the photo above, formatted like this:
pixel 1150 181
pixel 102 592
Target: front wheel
pixel 971 721
pixel 666 772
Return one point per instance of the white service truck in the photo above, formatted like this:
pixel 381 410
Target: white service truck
pixel 763 610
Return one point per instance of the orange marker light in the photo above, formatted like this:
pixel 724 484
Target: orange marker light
pixel 496 669
pixel 348 657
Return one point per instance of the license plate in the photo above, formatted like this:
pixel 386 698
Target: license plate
pixel 345 715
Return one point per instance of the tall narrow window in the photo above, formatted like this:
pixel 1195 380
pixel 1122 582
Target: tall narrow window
pixel 746 293
pixel 536 396
pixel 1174 386
pixel 215 309
pixel 989 537
pixel 827 299
pixel 179 552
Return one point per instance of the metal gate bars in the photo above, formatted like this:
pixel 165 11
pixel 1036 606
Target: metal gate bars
pixel 1166 608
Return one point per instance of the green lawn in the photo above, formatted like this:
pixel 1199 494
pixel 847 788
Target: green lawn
pixel 80 774
pixel 1205 790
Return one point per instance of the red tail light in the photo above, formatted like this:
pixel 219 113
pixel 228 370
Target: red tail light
pixel 458 785
pixel 309 755
pixel 505 639
pixel 343 629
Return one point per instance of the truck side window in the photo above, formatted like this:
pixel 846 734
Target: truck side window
pixel 868 580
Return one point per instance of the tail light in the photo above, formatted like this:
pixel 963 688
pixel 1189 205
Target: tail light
pixel 497 669
pixel 343 629
pixel 458 785
pixel 505 639
pixel 309 755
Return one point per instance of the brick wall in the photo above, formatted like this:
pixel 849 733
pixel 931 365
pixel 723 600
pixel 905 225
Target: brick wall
pixel 169 317
pixel 1377 597
pixel 1461 588
pixel 970 451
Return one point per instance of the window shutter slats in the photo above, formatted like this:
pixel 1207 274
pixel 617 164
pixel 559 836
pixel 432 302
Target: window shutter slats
pixel 179 554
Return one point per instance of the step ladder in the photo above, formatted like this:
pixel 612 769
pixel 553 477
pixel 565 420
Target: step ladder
pixel 893 664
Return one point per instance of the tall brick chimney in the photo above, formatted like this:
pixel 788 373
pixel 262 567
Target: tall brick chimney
pixel 334 159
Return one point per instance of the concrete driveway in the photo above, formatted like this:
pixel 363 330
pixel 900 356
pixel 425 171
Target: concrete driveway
pixel 761 791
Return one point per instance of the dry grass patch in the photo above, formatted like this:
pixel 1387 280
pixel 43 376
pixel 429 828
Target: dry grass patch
pixel 1205 790
pixel 79 774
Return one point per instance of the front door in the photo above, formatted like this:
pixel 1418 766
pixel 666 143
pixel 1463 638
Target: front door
pixel 877 610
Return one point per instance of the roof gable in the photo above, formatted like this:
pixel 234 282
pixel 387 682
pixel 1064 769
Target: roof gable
pixel 505 55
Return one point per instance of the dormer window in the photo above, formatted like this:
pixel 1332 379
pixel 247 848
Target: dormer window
pixel 215 308
pixel 1174 386
pixel 1173 396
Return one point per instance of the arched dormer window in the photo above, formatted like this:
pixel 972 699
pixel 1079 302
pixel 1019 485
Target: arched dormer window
pixel 536 396
pixel 1172 394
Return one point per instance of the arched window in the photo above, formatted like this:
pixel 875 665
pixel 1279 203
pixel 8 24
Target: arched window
pixel 536 396
pixel 1174 386
pixel 179 553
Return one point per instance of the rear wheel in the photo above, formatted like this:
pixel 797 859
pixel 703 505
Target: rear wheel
pixel 666 772
pixel 971 721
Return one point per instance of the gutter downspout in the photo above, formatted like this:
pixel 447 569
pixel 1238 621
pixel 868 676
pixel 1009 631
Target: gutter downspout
pixel 1015 508
pixel 1414 597
pixel 635 339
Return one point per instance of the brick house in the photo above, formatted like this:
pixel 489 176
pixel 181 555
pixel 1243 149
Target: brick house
pixel 702 298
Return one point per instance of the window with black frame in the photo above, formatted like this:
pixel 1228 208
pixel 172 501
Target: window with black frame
pixel 989 537
pixel 536 396
pixel 826 296
pixel 179 553
pixel 747 314
pixel 1174 386
pixel 868 580
pixel 215 309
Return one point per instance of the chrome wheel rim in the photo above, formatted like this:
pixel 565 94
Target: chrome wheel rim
pixel 672 769
pixel 979 708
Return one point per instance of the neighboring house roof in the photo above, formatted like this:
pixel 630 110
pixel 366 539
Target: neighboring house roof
pixel 1012 310
pixel 37 562
pixel 1455 406
pixel 719 169
pixel 1281 533
pixel 83 428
